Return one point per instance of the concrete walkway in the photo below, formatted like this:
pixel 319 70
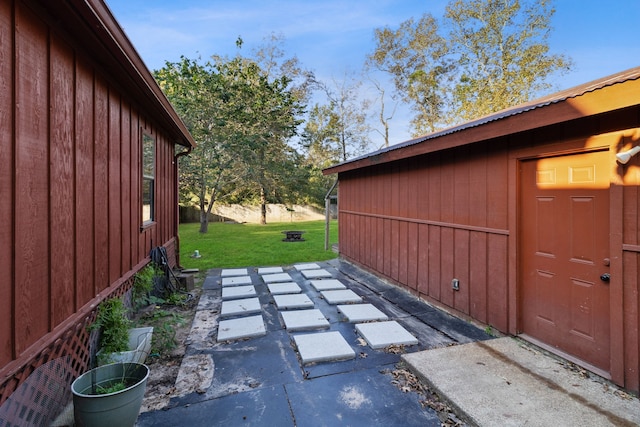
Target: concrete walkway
pixel 309 359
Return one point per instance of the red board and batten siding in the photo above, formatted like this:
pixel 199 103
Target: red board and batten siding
pixel 70 198
pixel 448 207
pixel 427 221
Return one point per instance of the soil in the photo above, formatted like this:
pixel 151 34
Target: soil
pixel 165 365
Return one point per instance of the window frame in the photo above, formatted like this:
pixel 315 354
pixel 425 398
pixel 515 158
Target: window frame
pixel 147 175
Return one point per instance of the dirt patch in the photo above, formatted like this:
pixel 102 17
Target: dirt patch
pixel 172 324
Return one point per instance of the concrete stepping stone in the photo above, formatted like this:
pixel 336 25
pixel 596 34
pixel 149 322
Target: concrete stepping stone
pixel 284 288
pixel 236 292
pixel 384 334
pixel 236 281
pixel 355 313
pixel 277 277
pixel 239 307
pixel 327 284
pixel 302 320
pixel 312 266
pixel 269 270
pixel 244 327
pixel 341 296
pixel 292 302
pixel 316 274
pixel 229 272
pixel 323 347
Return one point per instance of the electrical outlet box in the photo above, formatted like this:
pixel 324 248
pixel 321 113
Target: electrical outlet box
pixel 455 284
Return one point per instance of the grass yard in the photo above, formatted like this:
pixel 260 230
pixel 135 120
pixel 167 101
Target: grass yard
pixel 245 245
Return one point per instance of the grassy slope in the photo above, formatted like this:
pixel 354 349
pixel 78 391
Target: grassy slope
pixel 245 245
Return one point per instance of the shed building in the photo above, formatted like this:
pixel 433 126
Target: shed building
pixel 523 220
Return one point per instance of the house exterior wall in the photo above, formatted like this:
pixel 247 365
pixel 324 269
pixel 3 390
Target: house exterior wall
pixel 423 220
pixel 70 187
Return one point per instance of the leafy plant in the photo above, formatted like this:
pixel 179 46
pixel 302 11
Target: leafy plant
pixel 143 283
pixel 113 323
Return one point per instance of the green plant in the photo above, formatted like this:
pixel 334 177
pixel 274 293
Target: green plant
pixel 164 323
pixel 143 283
pixel 113 323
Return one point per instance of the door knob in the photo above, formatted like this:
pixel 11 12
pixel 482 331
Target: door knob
pixel 605 277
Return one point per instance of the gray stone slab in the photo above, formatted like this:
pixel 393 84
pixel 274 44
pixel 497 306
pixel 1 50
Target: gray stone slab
pixel 245 327
pixel 236 281
pixel 384 334
pixel 230 272
pixel 355 313
pixel 269 270
pixel 292 301
pixel 312 266
pixel 236 292
pixel 277 277
pixel 327 284
pixel 323 347
pixel 239 307
pixel 284 288
pixel 341 296
pixel 316 274
pixel 302 320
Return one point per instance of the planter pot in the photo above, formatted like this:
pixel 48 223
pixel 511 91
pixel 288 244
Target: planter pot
pixel 139 348
pixel 120 408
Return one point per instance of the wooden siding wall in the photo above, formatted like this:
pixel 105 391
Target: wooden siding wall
pixel 70 197
pixel 423 221
pixel 427 220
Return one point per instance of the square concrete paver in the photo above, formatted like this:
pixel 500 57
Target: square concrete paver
pixel 239 307
pixel 316 274
pixel 341 296
pixel 284 288
pixel 361 313
pixel 292 302
pixel 236 292
pixel 245 327
pixel 269 270
pixel 384 334
pixel 277 277
pixel 236 281
pixel 302 320
pixel 229 272
pixel 327 284
pixel 312 266
pixel 323 347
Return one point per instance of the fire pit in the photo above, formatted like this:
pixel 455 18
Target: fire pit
pixel 293 236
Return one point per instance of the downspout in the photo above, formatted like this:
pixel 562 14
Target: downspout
pixel 327 214
pixel 176 196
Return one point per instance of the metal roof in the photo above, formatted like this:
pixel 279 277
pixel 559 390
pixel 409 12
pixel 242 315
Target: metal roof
pixel 574 92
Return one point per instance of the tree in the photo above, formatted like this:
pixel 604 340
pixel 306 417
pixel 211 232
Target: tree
pixel 265 117
pixel 494 55
pixel 201 98
pixel 339 127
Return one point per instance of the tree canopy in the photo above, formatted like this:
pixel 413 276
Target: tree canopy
pixel 482 57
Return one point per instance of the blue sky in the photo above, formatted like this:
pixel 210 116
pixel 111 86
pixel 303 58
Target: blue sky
pixel 332 37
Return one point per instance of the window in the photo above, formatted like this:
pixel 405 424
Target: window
pixel 148 178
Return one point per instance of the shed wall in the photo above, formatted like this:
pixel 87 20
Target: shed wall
pixel 70 190
pixel 423 221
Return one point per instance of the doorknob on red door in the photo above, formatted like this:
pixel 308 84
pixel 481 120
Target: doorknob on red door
pixel 605 277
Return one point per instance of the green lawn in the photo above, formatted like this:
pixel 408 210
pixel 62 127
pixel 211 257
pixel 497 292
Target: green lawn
pixel 246 245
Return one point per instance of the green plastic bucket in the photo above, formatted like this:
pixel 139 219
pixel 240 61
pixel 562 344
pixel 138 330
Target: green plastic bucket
pixel 120 408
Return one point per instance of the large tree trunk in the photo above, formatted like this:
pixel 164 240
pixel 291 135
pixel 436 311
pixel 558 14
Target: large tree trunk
pixel 263 206
pixel 204 219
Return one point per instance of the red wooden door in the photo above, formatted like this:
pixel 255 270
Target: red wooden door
pixel 564 251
